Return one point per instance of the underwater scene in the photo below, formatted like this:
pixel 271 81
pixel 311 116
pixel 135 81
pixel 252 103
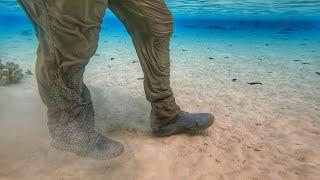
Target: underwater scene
pixel 255 65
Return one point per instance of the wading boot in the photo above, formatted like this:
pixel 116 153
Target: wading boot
pixel 93 145
pixel 185 123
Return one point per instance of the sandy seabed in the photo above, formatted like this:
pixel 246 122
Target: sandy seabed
pixel 268 131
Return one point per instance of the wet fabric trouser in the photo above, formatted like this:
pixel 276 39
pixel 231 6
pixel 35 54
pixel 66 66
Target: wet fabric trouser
pixel 68 32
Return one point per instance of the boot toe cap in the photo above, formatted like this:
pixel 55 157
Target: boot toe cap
pixel 204 119
pixel 107 148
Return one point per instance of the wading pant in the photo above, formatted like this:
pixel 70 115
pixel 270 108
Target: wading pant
pixel 68 32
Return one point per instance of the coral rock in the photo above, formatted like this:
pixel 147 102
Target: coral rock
pixel 10 73
pixel 4 81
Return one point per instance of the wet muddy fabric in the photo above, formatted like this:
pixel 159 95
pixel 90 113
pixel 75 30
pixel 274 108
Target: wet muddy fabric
pixel 68 33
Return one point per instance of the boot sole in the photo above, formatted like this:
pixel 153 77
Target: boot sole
pixel 66 149
pixel 84 154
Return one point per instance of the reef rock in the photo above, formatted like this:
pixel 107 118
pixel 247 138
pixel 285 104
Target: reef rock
pixel 10 73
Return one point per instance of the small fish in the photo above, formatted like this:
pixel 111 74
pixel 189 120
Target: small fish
pixel 317 73
pixel 255 83
pixel 190 26
pixel 216 27
pixel 286 30
pixel 28 72
pixel 25 32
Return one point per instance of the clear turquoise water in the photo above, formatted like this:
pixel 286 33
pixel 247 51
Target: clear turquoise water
pixel 294 22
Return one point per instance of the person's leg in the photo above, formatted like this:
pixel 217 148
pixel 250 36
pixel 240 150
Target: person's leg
pixel 68 35
pixel 150 24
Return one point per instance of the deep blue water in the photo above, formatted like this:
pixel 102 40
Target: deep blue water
pixel 226 8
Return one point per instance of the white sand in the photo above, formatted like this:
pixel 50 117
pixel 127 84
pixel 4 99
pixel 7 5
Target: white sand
pixel 269 131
